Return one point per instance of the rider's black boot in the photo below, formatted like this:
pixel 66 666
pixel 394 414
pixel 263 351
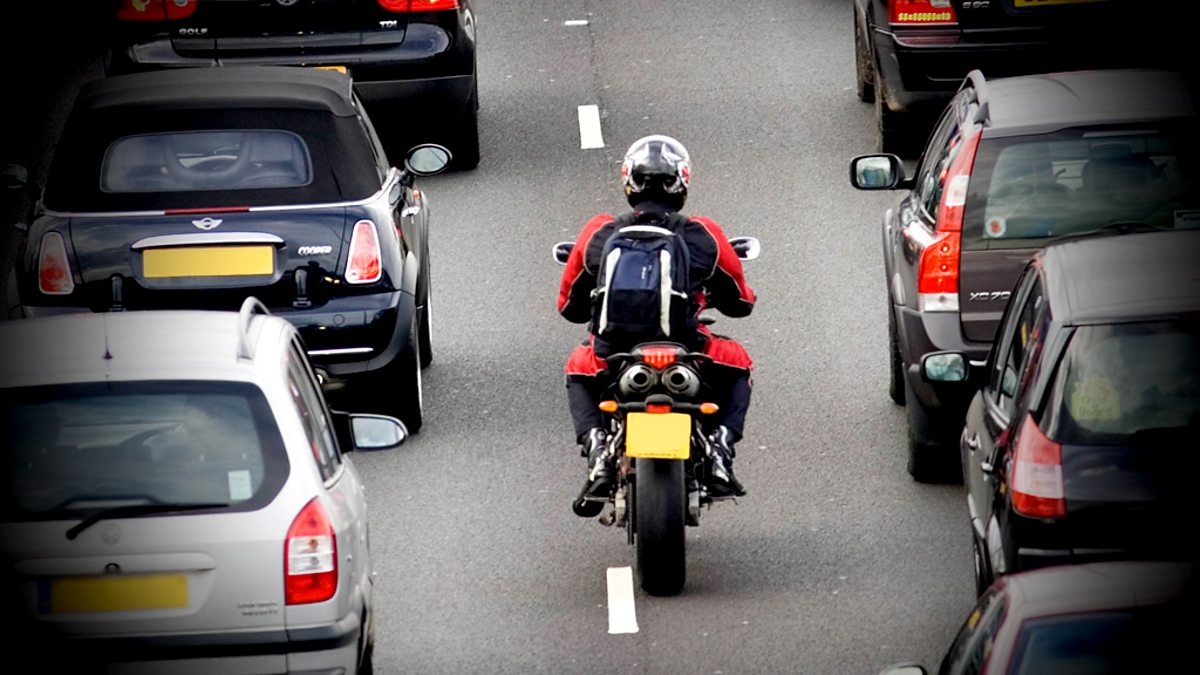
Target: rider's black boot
pixel 601 476
pixel 724 483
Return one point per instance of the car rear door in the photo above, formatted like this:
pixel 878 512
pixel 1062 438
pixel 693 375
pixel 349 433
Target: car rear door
pixel 293 28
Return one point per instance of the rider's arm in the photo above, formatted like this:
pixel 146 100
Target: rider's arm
pixel 727 289
pixel 575 291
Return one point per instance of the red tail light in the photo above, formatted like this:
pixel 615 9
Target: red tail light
pixel 54 272
pixel 1037 480
pixel 365 264
pixel 310 557
pixel 658 357
pixel 658 408
pixel 155 10
pixel 937 270
pixel 418 5
pixel 921 13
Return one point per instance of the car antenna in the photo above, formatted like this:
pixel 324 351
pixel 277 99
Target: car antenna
pixel 107 354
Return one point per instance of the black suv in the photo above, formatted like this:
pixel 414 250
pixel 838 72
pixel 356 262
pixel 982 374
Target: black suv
pixel 912 54
pixel 413 61
pixel 1079 446
pixel 1011 165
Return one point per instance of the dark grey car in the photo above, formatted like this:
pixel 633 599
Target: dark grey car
pixel 1012 165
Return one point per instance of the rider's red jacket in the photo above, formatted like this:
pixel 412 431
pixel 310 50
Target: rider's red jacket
pixel 715 268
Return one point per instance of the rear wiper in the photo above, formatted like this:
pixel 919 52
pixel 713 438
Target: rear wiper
pixel 132 510
pixel 1116 227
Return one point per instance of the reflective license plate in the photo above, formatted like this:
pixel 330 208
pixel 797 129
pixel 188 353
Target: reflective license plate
pixel 1045 3
pixel 116 593
pixel 208 261
pixel 658 436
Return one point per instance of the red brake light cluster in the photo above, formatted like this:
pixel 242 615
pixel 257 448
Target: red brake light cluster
pixel 937 270
pixel 418 5
pixel 1037 479
pixel 54 271
pixel 310 557
pixel 365 264
pixel 658 357
pixel 155 10
pixel 921 13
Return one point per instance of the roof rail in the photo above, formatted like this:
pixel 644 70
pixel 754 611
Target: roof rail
pixel 250 307
pixel 980 85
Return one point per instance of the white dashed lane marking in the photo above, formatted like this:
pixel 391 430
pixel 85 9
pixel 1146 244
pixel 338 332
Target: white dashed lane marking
pixel 621 615
pixel 589 127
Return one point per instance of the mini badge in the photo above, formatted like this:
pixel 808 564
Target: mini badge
pixel 207 224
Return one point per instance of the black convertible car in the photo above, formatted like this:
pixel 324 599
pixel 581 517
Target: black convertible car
pixel 200 187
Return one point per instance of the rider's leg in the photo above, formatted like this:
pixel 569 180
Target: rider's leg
pixel 730 372
pixel 585 383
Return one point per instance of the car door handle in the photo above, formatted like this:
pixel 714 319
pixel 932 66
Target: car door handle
pixel 973 442
pixel 987 468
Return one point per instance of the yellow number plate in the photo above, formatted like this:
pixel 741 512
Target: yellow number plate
pixel 1043 3
pixel 658 436
pixel 208 261
pixel 115 594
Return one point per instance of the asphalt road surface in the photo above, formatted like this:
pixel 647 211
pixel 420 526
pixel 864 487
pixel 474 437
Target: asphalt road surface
pixel 836 562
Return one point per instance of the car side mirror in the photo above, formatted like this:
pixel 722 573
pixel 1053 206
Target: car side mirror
pixel 944 367
pixel 876 172
pixel 13 177
pixel 427 159
pixel 368 432
pixel 562 251
pixel 746 248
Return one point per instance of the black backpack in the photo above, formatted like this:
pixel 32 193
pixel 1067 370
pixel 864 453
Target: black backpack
pixel 642 287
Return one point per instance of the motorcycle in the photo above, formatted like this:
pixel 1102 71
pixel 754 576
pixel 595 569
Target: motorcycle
pixel 655 407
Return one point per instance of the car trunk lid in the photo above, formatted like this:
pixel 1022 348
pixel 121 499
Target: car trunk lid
pixel 298 27
pixel 986 280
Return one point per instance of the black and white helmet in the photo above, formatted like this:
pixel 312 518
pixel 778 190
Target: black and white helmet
pixel 659 168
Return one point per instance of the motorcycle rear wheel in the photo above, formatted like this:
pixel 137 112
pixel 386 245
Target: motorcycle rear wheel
pixel 660 520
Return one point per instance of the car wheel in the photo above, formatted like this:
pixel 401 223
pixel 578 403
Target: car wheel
pixel 366 659
pixel 397 389
pixel 864 68
pixel 464 143
pixel 983 575
pixel 927 462
pixel 896 364
pixel 892 128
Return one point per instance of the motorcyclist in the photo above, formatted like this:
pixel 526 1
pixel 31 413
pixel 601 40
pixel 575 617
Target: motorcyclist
pixel 656 173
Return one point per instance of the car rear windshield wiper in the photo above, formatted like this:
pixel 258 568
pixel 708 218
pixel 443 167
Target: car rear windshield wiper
pixel 131 510
pixel 1116 227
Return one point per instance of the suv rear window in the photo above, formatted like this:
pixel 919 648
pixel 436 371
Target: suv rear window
pixel 75 448
pixel 206 160
pixel 1078 180
pixel 1128 384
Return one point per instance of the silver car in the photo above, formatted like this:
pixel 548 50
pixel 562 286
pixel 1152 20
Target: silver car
pixel 175 497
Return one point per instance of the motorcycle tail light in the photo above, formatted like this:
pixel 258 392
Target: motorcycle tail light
pixel 658 357
pixel 54 271
pixel 658 408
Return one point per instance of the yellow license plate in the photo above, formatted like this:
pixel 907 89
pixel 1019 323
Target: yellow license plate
pixel 208 261
pixel 118 593
pixel 1044 3
pixel 658 436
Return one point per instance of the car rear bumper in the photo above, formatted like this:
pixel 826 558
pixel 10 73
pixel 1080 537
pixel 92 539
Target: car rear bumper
pixel 330 649
pixel 918 67
pixel 355 336
pixel 1122 534
pixel 923 332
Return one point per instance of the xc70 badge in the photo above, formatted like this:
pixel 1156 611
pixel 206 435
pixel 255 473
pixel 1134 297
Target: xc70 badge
pixel 990 295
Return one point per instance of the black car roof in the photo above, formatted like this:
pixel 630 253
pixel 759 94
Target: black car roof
pixel 1042 103
pixel 227 87
pixel 1123 277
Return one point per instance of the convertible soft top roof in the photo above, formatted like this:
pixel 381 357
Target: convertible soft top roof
pixel 316 105
pixel 261 87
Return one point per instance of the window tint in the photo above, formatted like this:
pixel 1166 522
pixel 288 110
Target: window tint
pixel 205 160
pixel 79 447
pixel 312 412
pixel 1037 187
pixel 1130 383
pixel 972 647
pixel 1024 335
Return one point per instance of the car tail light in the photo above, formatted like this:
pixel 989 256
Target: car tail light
pixel 310 557
pixel 365 264
pixel 937 270
pixel 155 10
pixel 921 13
pixel 418 5
pixel 54 272
pixel 658 357
pixel 1037 479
